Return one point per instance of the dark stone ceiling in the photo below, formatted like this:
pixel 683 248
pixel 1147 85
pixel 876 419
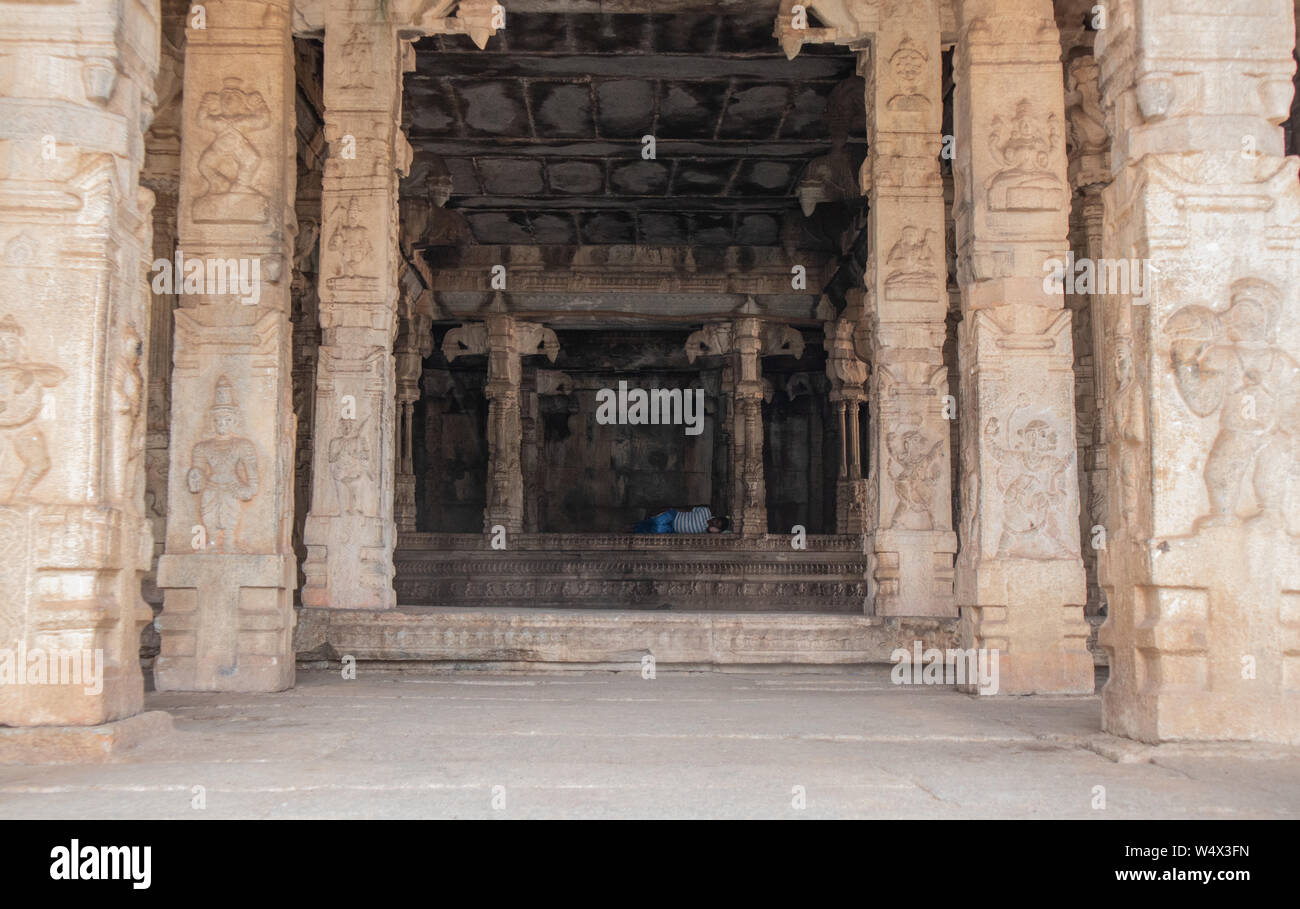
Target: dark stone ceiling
pixel 541 131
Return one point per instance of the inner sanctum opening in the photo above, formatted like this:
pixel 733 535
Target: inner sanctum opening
pixel 614 205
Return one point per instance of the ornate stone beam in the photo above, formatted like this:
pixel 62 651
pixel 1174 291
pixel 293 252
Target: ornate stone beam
pixel 229 568
pixel 850 22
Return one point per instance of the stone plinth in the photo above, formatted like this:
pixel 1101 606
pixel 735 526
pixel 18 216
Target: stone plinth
pixel 611 638
pixel 37 745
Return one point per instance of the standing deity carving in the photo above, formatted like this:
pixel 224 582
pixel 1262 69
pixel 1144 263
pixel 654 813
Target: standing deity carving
pixel 223 472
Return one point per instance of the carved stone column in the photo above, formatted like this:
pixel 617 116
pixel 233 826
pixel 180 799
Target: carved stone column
pixel 906 307
pixel 1089 172
pixel 848 375
pixel 161 174
pixel 746 338
pixel 410 367
pixel 229 569
pixel 350 530
pixel 747 428
pixel 505 340
pixel 74 250
pixel 1202 567
pixel 419 207
pixel 1020 578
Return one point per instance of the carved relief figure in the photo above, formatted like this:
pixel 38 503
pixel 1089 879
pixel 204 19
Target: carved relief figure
pixel 230 161
pixel 1128 429
pixel 970 479
pixel 1023 147
pixel 912 272
pixel 350 463
pixel 223 472
pixel 128 398
pixel 352 242
pixel 21 399
pixel 358 65
pixel 1087 131
pixel 914 470
pixel 1034 487
pixel 1230 363
pixel 908 63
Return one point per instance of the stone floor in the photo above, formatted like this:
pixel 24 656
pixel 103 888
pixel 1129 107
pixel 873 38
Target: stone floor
pixel 711 744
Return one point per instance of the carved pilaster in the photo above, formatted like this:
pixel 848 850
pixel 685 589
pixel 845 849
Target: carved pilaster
pixel 229 568
pixel 1202 400
pixel 1020 577
pixel 350 530
pixel 848 376
pixel 905 307
pixel 1089 172
pixel 75 247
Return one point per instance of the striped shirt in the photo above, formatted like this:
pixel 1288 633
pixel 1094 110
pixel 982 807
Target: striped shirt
pixel 694 521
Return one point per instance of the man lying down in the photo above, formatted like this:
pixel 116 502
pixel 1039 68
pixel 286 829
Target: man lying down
pixel 683 520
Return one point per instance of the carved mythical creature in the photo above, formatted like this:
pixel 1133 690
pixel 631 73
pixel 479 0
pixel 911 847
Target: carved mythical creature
pixel 1230 363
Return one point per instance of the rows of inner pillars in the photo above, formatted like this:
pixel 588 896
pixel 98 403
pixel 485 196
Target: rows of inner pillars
pixel 1192 454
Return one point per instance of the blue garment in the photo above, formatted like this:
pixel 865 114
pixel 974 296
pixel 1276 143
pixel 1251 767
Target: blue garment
pixel 660 523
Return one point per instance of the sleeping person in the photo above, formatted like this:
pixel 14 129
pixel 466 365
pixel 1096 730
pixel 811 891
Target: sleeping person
pixel 682 520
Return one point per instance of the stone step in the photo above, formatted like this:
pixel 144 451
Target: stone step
pixel 579 638
pixel 615 571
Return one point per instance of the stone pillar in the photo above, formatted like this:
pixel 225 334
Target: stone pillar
pixel 74 250
pixel 848 375
pixel 906 305
pixel 350 530
pixel 410 367
pixel 161 174
pixel 505 340
pixel 1202 567
pixel 1020 578
pixel 1089 172
pixel 747 428
pixel 745 339
pixel 419 205
pixel 229 571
